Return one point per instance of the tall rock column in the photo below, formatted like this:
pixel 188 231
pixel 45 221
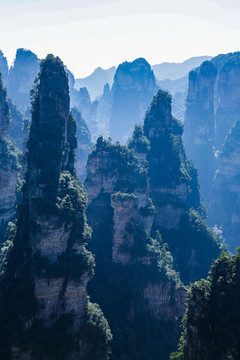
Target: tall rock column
pixel 228 97
pixel 174 190
pixel 47 266
pixel 8 166
pixel 199 123
pixel 224 206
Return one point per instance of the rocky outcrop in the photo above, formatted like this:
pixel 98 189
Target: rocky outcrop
pixel 104 110
pixel 47 251
pixel 4 68
pixel 175 193
pixel 84 144
pixel 228 86
pixel 212 107
pixel 224 203
pixel 128 259
pixel 133 88
pixel 19 122
pixel 8 166
pixel 21 77
pixel 213 312
pixel 199 124
pixel 88 111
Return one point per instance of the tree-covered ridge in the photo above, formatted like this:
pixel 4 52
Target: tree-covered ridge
pixel 46 256
pixel 139 141
pixel 211 326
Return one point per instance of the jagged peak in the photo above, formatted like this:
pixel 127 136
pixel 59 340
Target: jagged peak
pixel 207 68
pixel 158 113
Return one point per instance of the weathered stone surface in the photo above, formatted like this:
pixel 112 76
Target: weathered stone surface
pixel 8 166
pixel 164 301
pixel 224 204
pixel 125 217
pixel 199 122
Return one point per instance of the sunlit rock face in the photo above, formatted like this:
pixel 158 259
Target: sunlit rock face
pixel 8 166
pixel 212 108
pixel 104 110
pixel 228 97
pixel 50 237
pixel 199 123
pixel 224 203
pixel 133 88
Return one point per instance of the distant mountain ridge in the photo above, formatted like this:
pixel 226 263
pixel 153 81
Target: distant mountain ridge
pixel 174 71
pixel 96 81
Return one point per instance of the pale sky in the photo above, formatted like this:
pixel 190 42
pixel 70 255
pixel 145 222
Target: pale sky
pixel 86 34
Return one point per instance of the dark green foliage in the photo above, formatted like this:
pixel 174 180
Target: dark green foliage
pixel 53 342
pixel 17 303
pixel 139 142
pixel 45 144
pixel 216 320
pixel 71 198
pixel 71 143
pixel 9 155
pixel 124 164
pixel 97 333
pixel 194 245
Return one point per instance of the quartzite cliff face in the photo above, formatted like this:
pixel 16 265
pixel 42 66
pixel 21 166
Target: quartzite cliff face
pixel 8 166
pixel 47 266
pixel 212 108
pixel 224 204
pixel 199 124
